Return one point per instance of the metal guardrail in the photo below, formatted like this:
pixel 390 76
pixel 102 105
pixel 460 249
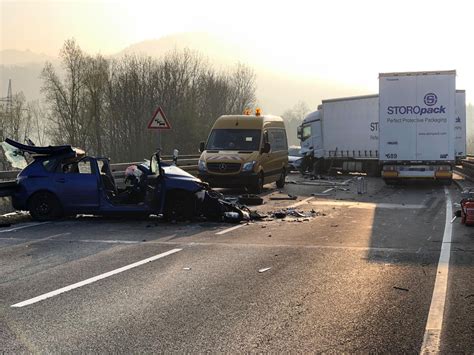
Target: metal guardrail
pixel 186 162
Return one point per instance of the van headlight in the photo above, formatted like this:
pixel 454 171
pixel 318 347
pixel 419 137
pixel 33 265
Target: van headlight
pixel 202 165
pixel 248 166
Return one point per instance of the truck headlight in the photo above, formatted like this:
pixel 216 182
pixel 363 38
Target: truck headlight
pixel 248 166
pixel 202 165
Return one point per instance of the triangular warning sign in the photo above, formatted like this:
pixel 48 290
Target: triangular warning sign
pixel 159 120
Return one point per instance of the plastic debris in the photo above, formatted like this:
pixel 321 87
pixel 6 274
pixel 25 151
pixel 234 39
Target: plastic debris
pixel 186 268
pixel 264 269
pixel 401 288
pixel 282 198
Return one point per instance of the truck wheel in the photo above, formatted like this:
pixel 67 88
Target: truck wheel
pixel 44 206
pixel 281 181
pixel 258 187
pixel 179 206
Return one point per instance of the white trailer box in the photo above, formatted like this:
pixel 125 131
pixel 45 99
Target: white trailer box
pixel 416 124
pixel 460 125
pixel 350 127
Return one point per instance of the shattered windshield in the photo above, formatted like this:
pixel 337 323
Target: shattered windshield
pixel 234 139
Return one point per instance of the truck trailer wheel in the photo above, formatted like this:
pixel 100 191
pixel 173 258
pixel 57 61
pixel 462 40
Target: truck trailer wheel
pixel 44 206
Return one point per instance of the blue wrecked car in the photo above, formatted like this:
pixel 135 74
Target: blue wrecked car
pixel 63 181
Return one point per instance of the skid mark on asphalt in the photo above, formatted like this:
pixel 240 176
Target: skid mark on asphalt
pixel 92 279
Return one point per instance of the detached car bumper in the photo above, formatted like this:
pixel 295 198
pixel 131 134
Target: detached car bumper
pixel 237 180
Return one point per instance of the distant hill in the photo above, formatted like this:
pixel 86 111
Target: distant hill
pixel 276 92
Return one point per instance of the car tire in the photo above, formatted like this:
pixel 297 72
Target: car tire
pixel 44 206
pixel 179 206
pixel 280 183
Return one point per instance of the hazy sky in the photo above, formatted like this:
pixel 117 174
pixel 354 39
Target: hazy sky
pixel 345 41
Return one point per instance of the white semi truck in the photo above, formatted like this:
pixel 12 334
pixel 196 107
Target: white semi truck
pixel 342 135
pixel 416 125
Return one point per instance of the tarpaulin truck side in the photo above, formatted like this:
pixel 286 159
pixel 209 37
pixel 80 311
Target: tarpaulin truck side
pixel 343 135
pixel 416 125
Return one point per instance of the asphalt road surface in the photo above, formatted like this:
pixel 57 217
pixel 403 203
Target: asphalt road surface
pixel 364 273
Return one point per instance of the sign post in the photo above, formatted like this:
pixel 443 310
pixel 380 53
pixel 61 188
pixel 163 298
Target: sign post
pixel 159 122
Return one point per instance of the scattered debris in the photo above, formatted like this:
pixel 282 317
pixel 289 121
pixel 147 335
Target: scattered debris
pixel 334 225
pixel 250 199
pixel 401 288
pixel 453 219
pixel 186 268
pixel 279 214
pixel 469 296
pixel 281 198
pixel 264 269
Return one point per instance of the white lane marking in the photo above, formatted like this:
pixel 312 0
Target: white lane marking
pixel 93 279
pixel 367 205
pixel 302 202
pixel 432 338
pixel 109 241
pixel 23 226
pixel 230 229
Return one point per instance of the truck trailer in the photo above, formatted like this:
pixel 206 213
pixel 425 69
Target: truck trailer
pixel 416 125
pixel 342 135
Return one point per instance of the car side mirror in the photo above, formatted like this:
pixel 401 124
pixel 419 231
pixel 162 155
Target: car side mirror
pixel 202 147
pixel 457 213
pixel 266 148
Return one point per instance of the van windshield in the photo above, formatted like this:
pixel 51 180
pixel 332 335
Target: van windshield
pixel 234 139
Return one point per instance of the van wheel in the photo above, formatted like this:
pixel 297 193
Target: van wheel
pixel 258 187
pixel 44 206
pixel 281 181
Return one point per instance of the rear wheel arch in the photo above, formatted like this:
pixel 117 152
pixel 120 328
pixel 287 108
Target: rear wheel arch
pixel 44 205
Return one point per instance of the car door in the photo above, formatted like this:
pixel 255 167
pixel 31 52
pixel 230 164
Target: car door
pixel 79 185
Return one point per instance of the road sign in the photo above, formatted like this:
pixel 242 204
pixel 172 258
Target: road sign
pixel 159 120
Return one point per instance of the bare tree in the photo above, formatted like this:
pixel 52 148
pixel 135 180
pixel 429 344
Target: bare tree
pixel 66 97
pixel 293 118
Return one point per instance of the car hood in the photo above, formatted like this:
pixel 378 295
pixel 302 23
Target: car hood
pixel 292 158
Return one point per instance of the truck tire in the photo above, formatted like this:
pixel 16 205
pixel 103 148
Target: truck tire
pixel 44 206
pixel 257 188
pixel 280 183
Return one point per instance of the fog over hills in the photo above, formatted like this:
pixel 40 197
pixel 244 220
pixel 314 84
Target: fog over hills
pixel 276 91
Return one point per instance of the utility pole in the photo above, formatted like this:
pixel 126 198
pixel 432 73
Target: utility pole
pixel 8 107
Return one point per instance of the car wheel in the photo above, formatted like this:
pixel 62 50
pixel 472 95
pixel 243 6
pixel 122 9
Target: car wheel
pixel 179 206
pixel 281 181
pixel 44 206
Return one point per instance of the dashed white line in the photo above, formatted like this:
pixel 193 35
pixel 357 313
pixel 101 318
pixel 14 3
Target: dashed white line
pixel 92 279
pixel 23 227
pixel 302 202
pixel 230 229
pixel 432 338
